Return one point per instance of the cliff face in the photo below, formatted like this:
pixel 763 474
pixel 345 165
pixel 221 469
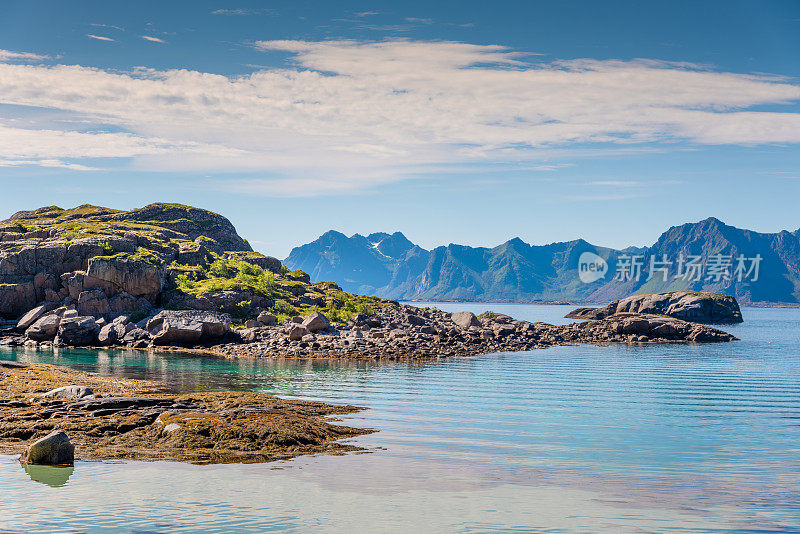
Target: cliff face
pixel 104 262
pixel 517 271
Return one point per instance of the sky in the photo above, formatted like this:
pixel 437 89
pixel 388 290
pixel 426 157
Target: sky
pixel 453 122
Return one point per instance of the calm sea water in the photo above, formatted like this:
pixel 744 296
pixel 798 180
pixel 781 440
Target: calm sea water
pixel 664 438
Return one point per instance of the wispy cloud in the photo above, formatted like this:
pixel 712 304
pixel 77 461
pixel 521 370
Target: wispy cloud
pixel 153 39
pixel 346 115
pixel 241 12
pixel 615 183
pixel 47 163
pixel 8 55
pixel 109 26
pixel 99 37
pixel 363 14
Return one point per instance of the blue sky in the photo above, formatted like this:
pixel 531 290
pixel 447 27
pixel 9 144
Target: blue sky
pixel 466 122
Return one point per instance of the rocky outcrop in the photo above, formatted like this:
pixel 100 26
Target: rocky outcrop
pixel 699 307
pixel 51 255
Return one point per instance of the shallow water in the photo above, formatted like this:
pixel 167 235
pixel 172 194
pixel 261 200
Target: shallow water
pixel 567 439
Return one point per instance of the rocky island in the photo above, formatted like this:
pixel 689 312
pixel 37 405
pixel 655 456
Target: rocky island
pixel 174 277
pixel 696 306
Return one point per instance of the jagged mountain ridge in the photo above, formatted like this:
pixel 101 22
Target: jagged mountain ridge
pixel 391 266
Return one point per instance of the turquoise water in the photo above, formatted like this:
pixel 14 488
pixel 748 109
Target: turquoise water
pixel 701 438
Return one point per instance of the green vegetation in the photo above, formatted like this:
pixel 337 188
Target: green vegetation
pixel 237 275
pixel 226 275
pixel 141 254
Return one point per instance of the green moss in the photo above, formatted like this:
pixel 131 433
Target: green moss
pixel 141 254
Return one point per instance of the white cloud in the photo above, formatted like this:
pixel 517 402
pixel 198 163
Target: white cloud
pixel 99 37
pixel 348 115
pixel 8 55
pixel 153 39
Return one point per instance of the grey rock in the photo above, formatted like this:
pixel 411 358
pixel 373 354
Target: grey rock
pixel 267 318
pixel 93 302
pixel 297 331
pixel 53 449
pixel 33 315
pixel 316 322
pixel 68 392
pixel 45 328
pixel 80 330
pixel 465 319
pixel 188 326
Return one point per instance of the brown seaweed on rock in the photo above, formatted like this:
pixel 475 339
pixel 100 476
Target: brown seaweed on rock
pixel 139 420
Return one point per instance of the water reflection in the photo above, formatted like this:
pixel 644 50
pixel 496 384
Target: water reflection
pixel 55 477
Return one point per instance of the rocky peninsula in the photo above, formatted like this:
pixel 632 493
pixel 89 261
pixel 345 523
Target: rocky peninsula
pixel 174 277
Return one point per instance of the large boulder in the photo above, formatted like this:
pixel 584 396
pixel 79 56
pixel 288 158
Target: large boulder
pixel 316 322
pixel 53 449
pixel 114 332
pixel 33 315
pixel 81 330
pixel 188 326
pixel 465 319
pixel 45 328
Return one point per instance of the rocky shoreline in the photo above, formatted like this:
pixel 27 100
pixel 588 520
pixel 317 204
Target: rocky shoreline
pixel 395 331
pixel 111 418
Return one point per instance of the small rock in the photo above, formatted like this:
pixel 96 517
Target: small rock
pixel 68 392
pixel 53 449
pixel 297 331
pixel 267 318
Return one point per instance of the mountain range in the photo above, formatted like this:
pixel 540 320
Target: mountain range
pixel 751 266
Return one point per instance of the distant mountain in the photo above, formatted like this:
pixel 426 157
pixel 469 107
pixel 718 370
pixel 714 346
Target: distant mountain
pixel 391 266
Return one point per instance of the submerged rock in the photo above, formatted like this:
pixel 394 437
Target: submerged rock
pixel 53 449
